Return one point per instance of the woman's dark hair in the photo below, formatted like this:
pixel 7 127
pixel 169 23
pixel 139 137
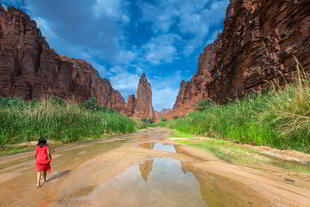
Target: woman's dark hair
pixel 42 142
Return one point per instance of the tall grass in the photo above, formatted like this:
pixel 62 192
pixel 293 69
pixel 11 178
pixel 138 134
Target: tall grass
pixel 22 121
pixel 278 118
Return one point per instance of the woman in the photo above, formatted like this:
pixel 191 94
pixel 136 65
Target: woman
pixel 43 160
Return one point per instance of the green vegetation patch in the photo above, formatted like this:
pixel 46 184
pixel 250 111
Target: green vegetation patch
pixel 22 121
pixel 178 134
pixel 278 119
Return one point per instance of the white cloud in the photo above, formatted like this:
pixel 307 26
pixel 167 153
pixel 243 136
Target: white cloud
pixel 192 18
pixel 124 81
pixel 126 56
pixel 139 70
pixel 102 33
pixel 164 20
pixel 161 49
pixel 164 98
pixel 113 9
pixel 165 90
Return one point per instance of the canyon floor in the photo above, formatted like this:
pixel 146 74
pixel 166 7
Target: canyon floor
pixel 148 168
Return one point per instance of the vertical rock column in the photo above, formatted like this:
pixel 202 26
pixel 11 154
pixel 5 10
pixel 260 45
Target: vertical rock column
pixel 144 107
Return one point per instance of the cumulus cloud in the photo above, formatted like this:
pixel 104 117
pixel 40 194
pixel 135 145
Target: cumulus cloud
pixel 165 20
pixel 161 49
pixel 165 90
pixel 192 18
pixel 164 98
pixel 112 8
pixel 124 81
pixel 94 26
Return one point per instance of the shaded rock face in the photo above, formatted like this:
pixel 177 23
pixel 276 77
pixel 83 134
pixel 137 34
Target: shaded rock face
pixel 29 69
pixel 131 105
pixel 255 51
pixel 143 107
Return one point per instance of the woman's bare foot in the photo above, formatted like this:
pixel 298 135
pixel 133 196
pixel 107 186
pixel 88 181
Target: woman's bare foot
pixel 38 184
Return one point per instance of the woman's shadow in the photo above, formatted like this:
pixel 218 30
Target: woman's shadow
pixel 58 175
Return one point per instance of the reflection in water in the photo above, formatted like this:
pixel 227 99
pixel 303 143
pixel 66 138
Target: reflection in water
pixel 147 145
pixel 169 182
pixel 146 168
pixel 159 146
pixel 165 147
pixel 156 182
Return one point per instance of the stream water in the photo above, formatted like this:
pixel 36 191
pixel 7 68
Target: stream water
pixel 164 182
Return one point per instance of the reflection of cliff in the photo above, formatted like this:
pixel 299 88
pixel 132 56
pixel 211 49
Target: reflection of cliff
pixel 217 190
pixel 146 168
pixel 147 145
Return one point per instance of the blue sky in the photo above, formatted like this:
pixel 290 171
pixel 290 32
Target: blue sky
pixel 123 38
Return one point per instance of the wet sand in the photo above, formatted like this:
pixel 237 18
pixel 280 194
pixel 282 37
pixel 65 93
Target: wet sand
pixel 142 169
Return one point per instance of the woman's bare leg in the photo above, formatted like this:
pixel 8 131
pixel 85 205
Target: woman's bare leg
pixel 38 178
pixel 44 176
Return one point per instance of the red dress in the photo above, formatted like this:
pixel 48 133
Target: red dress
pixel 42 161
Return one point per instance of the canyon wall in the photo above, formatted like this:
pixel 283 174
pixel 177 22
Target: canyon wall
pixel 30 69
pixel 255 51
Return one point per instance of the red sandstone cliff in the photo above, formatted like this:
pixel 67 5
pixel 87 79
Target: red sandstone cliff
pixel 131 105
pixel 30 69
pixel 143 107
pixel 255 50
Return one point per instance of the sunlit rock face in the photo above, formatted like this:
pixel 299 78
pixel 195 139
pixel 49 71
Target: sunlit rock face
pixel 255 51
pixel 30 69
pixel 144 107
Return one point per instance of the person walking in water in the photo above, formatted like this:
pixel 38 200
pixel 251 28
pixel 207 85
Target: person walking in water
pixel 43 160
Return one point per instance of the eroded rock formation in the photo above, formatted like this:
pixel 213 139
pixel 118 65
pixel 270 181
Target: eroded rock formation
pixel 144 107
pixel 131 105
pixel 255 51
pixel 30 69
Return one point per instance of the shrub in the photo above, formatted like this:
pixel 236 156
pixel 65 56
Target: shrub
pixel 204 104
pixel 148 120
pixel 91 104
pixel 162 119
pixel 175 117
pixel 11 102
pixel 57 101
pixel 4 140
